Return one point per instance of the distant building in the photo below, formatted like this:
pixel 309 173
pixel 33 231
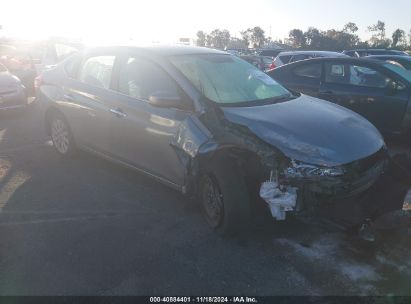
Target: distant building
pixel 185 41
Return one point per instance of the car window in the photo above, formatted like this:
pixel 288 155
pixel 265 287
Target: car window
pixel 354 75
pixel 300 57
pixel 367 77
pixel 97 71
pixel 267 60
pixel 336 73
pixel 140 78
pixel 312 70
pixel 285 58
pixel 398 70
pixel 71 66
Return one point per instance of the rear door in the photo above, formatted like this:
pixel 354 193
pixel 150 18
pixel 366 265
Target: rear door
pixel 365 90
pixel 85 99
pixel 140 133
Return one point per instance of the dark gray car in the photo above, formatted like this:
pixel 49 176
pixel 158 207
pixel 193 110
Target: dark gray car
pixel 212 126
pixel 12 91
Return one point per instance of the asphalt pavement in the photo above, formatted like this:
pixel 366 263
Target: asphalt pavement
pixel 85 226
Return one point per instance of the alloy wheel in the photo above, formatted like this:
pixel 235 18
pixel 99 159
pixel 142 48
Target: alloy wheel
pixel 60 135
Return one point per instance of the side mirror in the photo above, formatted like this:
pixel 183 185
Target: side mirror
pixel 166 99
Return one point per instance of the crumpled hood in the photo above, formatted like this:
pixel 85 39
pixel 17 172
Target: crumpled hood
pixel 310 130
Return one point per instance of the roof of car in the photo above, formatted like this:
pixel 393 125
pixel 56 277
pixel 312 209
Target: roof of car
pixel 325 53
pixel 355 50
pixel 166 50
pixel 390 56
pixel 338 59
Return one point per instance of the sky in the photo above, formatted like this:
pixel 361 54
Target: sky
pixel 165 21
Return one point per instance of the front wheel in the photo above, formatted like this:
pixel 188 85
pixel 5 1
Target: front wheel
pixel 61 135
pixel 224 197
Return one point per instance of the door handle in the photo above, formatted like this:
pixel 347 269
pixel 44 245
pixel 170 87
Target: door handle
pixel 118 112
pixel 327 92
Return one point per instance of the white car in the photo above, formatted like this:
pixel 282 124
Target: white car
pixel 292 56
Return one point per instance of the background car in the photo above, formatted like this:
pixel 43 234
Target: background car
pixel 12 91
pixel 263 63
pixel 368 52
pixel 403 61
pixel 377 90
pixel 210 125
pixel 293 56
pixel 269 52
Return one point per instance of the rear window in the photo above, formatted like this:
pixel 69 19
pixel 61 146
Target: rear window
pixel 285 58
pixel 312 70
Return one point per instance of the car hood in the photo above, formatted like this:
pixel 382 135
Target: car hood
pixel 310 130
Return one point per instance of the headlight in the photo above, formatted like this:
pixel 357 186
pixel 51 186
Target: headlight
pixel 299 169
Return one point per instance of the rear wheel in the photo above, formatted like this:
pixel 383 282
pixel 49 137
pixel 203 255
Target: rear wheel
pixel 224 198
pixel 61 135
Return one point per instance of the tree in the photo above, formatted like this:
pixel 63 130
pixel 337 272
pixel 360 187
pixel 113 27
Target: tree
pixel 257 36
pixel 297 38
pixel 398 36
pixel 201 38
pixel 378 29
pixel 313 37
pixel 237 43
pixel 246 35
pixel 218 38
pixel 378 38
pixel 350 27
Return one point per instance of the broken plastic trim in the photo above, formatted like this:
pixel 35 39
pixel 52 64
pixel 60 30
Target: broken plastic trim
pixel 280 199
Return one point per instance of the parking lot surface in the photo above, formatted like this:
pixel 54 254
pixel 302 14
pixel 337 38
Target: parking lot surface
pixel 84 226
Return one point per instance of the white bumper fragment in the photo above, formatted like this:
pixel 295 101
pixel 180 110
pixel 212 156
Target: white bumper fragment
pixel 279 201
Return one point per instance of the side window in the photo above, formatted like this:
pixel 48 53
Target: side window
pixel 312 70
pixel 97 71
pixel 72 65
pixel 140 78
pixel 336 73
pixel 366 77
pixel 285 58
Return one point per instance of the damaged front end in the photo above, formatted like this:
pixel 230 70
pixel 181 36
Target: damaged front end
pixel 305 187
pixel 269 155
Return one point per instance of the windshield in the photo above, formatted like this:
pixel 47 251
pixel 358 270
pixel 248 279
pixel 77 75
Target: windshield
pixel 399 70
pixel 226 79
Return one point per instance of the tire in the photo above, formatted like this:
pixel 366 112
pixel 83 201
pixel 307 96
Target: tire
pixel 224 197
pixel 61 135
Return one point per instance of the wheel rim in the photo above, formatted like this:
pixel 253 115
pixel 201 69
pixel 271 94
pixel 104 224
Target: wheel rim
pixel 60 135
pixel 212 202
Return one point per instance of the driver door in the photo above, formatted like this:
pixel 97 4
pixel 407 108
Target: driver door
pixel 141 133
